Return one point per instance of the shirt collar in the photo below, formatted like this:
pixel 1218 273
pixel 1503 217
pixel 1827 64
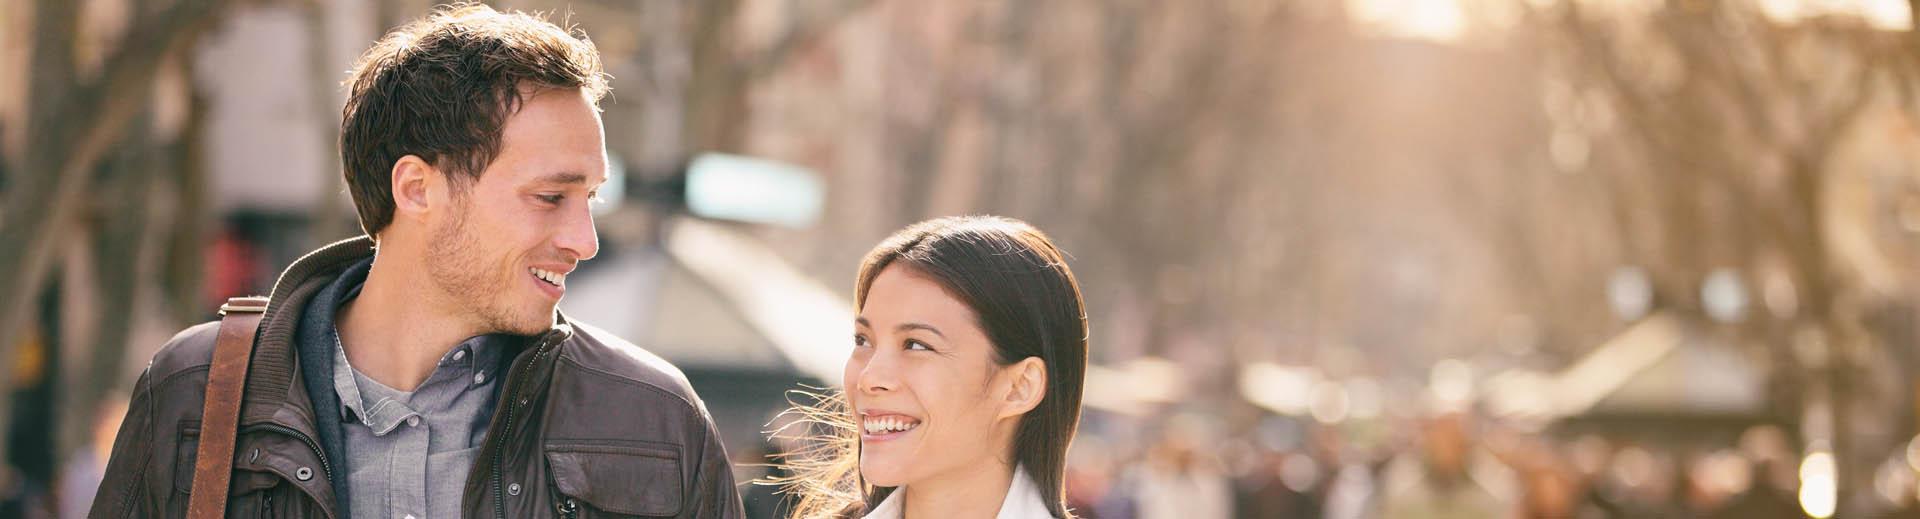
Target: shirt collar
pixel 477 353
pixel 1023 501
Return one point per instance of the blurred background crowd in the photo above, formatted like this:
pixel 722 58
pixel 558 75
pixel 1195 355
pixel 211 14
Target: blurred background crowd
pixel 1343 258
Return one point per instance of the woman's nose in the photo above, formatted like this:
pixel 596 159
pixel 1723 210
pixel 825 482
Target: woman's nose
pixel 879 373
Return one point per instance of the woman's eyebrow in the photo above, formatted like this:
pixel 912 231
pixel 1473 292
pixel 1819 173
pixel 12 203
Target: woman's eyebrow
pixel 863 322
pixel 920 326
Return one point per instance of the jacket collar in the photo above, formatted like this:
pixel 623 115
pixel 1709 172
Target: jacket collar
pixel 1023 501
pixel 272 394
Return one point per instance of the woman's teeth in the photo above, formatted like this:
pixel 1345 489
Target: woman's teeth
pixel 887 424
pixel 552 278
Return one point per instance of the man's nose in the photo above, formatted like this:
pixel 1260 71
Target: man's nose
pixel 577 235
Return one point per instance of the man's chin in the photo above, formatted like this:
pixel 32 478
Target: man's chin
pixel 535 326
pixel 533 322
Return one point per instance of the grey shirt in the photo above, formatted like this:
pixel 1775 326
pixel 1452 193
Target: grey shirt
pixel 408 453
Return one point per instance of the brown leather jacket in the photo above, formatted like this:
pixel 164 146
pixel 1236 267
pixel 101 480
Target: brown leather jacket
pixel 587 425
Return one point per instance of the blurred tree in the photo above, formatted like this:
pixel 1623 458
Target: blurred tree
pixel 1711 129
pixel 74 120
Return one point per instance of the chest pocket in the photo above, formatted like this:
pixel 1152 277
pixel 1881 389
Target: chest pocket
pixel 616 477
pixel 250 493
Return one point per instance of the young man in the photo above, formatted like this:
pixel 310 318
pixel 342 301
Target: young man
pixel 423 370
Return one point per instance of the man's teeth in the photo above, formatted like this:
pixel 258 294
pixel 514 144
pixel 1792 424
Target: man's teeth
pixel 551 277
pixel 887 424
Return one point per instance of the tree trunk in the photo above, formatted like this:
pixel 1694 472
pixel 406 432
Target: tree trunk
pixel 71 126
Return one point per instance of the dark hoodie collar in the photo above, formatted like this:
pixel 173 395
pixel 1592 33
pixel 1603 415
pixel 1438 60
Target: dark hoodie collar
pixel 270 378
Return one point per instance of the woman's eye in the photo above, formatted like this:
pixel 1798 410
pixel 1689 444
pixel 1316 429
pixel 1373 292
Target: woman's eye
pixel 859 341
pixel 917 345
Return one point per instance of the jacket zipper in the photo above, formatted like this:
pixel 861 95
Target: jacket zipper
pixel 506 425
pixel 325 467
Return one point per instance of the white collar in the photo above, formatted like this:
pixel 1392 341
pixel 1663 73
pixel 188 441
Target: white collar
pixel 1023 501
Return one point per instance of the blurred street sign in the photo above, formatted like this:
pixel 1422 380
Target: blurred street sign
pixel 745 189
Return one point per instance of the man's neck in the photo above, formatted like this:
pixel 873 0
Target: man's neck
pixel 395 332
pixel 971 493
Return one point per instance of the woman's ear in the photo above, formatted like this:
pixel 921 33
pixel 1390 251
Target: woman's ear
pixel 1027 387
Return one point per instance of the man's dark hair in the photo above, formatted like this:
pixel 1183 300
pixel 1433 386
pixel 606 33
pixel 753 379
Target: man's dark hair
pixel 441 88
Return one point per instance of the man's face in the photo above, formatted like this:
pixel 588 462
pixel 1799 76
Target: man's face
pixel 502 255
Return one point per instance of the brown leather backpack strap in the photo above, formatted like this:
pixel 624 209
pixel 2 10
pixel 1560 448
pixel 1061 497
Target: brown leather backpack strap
pixel 220 419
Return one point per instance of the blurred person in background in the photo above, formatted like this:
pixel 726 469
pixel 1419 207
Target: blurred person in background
pixel 1181 480
pixel 1349 488
pixel 1763 497
pixel 423 370
pixel 1090 471
pixel 1554 488
pixel 1439 484
pixel 1649 483
pixel 1280 484
pixel 81 476
pixel 962 392
pixel 1590 457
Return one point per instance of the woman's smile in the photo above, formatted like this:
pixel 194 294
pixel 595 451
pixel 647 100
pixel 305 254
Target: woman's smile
pixel 879 426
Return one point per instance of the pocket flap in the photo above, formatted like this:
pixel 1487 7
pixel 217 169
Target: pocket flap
pixel 188 452
pixel 622 478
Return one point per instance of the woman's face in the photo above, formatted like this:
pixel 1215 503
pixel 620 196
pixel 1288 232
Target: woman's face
pixel 928 397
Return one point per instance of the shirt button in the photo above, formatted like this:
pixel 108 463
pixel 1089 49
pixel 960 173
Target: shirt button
pixel 460 354
pixel 413 421
pixel 479 378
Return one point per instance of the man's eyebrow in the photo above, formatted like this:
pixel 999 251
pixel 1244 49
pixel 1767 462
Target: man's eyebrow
pixel 564 177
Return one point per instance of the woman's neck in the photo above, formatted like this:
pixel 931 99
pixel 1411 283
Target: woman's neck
pixel 967 494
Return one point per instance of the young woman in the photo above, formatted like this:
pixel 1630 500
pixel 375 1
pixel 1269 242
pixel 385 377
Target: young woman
pixel 962 391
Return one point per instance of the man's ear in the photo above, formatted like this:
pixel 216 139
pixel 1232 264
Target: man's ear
pixel 1026 387
pixel 414 183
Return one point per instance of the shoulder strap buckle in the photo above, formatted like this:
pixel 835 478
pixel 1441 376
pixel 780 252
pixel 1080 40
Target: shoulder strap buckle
pixel 247 304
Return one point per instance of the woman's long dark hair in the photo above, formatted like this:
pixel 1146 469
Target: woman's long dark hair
pixel 1028 304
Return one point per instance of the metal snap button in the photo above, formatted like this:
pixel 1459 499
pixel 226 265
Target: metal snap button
pixel 303 474
pixel 513 489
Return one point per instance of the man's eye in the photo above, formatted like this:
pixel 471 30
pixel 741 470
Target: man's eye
pixel 917 345
pixel 860 341
pixel 551 199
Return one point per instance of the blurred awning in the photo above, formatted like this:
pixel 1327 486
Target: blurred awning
pixel 715 299
pixel 1662 365
pixel 744 327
